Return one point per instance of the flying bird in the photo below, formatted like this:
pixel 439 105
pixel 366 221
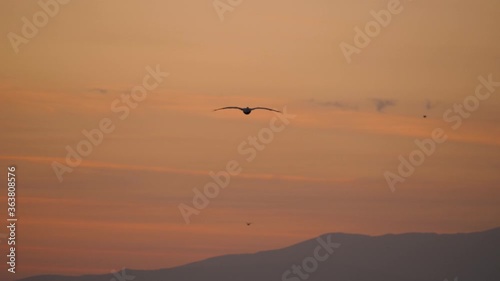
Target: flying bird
pixel 249 223
pixel 247 110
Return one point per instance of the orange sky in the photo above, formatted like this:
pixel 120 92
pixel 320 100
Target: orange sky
pixel 323 173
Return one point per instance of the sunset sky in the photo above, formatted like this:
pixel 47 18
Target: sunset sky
pixel 324 172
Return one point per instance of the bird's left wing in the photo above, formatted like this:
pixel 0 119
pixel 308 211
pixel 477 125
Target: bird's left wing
pixel 228 107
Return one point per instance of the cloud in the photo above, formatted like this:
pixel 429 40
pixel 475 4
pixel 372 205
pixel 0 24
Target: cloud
pixel 381 104
pixel 337 104
pixel 99 90
pixel 429 104
pixel 164 169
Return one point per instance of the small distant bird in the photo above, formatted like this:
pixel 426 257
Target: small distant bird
pixel 249 223
pixel 247 110
pixel 425 116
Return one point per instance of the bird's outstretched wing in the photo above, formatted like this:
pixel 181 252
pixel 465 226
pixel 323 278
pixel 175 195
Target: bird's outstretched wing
pixel 265 108
pixel 229 107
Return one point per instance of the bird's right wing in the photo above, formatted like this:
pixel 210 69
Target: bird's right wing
pixel 265 108
pixel 229 107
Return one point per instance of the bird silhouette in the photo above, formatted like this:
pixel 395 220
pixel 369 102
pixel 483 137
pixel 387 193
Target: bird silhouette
pixel 247 110
pixel 249 223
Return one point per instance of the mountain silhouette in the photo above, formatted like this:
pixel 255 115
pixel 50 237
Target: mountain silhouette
pixel 392 257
